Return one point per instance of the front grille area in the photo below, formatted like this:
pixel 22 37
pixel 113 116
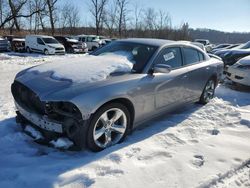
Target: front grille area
pixel 27 99
pixel 59 48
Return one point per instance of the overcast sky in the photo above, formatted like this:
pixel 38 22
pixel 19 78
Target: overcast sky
pixel 224 15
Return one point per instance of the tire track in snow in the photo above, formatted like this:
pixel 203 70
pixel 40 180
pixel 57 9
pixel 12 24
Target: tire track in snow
pixel 221 180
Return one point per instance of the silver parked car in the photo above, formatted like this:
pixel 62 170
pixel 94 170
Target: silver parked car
pixel 4 44
pixel 92 41
pixel 166 75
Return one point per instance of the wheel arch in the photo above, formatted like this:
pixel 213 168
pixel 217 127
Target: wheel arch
pixel 128 104
pixel 215 78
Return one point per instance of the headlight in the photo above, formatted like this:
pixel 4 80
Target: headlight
pixel 62 108
pixel 51 46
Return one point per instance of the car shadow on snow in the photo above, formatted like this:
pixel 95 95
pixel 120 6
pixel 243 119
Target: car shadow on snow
pixel 47 166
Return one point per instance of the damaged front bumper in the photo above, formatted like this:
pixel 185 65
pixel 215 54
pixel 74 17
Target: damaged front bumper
pixel 41 121
pixel 53 133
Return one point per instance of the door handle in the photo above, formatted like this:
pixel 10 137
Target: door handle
pixel 185 76
pixel 207 68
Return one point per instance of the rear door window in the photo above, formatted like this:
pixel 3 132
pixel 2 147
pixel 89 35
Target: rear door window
pixel 201 56
pixel 191 56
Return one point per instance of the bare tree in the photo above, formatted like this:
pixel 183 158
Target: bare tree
pixel 14 11
pixel 97 9
pixel 184 31
pixel 40 15
pixel 164 20
pixel 137 15
pixel 1 11
pixel 110 15
pixel 51 12
pixel 69 17
pixel 122 13
pixel 150 18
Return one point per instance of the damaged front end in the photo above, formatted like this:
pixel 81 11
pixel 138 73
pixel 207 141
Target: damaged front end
pixel 53 119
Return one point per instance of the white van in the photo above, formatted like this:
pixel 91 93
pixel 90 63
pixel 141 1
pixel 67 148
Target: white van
pixel 43 44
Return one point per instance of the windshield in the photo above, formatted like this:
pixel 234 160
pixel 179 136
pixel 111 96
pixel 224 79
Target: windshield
pixel 50 41
pixel 139 54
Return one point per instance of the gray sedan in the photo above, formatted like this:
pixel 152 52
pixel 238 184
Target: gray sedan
pixel 166 75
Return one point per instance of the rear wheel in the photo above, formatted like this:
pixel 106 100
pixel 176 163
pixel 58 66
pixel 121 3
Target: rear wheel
pixel 208 92
pixel 109 126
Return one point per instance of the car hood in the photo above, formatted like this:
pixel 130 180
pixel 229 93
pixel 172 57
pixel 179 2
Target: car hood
pixel 72 40
pixel 48 80
pixel 244 61
pixel 50 89
pixel 232 51
pixel 55 45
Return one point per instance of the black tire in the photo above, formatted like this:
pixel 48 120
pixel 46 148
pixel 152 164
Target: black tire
pixel 46 52
pixel 28 49
pixel 90 138
pixel 204 99
pixel 93 48
pixel 70 50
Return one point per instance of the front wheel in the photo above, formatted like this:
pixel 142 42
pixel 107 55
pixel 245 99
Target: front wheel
pixel 208 92
pixel 46 52
pixel 70 50
pixel 109 126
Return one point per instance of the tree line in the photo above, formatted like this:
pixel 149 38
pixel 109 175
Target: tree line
pixel 112 18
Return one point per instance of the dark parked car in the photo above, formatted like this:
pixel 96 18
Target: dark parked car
pixel 233 56
pixel 223 52
pixel 18 44
pixel 9 37
pixel 221 46
pixel 225 48
pixel 165 75
pixel 72 45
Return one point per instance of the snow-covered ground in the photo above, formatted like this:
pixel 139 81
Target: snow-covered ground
pixel 200 146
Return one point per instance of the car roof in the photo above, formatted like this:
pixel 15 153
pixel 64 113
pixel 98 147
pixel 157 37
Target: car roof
pixel 82 35
pixel 47 36
pixel 148 41
pixel 157 42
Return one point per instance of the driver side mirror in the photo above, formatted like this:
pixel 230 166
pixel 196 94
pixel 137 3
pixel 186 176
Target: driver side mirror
pixel 162 68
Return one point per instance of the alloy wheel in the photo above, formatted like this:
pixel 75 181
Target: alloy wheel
pixel 110 127
pixel 46 52
pixel 209 91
